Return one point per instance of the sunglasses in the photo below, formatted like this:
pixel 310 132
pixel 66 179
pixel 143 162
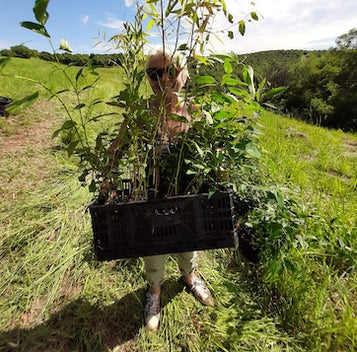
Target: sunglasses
pixel 156 73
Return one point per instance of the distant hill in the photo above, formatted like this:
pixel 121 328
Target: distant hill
pixel 274 64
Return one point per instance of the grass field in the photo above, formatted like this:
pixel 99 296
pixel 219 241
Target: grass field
pixel 56 297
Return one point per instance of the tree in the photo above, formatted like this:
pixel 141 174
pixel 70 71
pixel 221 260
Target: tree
pixel 22 51
pixel 347 40
pixel 323 89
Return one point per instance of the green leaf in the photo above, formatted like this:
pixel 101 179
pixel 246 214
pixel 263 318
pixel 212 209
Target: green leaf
pixel 230 35
pixel 262 84
pixel 58 93
pixel 120 104
pixel 200 151
pixel 227 66
pixel 221 114
pixel 229 81
pixel 241 27
pixel 36 27
pixel 150 25
pixel 271 106
pixel 40 11
pixel 253 151
pixel 183 47
pixel 79 106
pixel 211 192
pixel 219 156
pixel 56 133
pixel 71 148
pixel 17 105
pixel 79 73
pixel 68 124
pixel 205 80
pixel 92 187
pixel 86 87
pixel 83 176
pixel 274 91
pixel 96 118
pixel 230 18
pixel 248 75
pixel 198 166
pixel 208 117
pixel 279 198
pixel 260 88
pixel 239 92
pixel 96 101
pixel 201 59
pixel 254 16
pixel 170 7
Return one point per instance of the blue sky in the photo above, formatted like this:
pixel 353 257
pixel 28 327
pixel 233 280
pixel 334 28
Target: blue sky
pixel 283 24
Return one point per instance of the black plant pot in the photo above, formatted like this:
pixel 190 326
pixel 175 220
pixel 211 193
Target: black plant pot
pixel 173 225
pixel 248 244
pixel 4 102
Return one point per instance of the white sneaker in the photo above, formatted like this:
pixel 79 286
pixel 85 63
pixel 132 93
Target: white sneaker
pixel 152 311
pixel 201 292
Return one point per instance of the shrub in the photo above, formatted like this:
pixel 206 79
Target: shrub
pixel 44 55
pixel 22 51
pixel 6 52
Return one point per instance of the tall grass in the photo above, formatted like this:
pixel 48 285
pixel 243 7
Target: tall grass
pixel 56 297
pixel 317 296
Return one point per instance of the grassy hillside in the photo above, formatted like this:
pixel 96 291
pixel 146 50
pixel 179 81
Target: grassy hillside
pixel 56 297
pixel 46 73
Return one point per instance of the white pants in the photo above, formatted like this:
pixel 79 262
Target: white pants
pixel 154 266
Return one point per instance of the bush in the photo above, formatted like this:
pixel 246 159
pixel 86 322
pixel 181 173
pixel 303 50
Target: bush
pixel 44 55
pixel 6 52
pixel 22 51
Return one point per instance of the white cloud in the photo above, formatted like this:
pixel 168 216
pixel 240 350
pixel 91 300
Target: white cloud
pixel 112 22
pixel 85 19
pixel 293 24
pixel 129 3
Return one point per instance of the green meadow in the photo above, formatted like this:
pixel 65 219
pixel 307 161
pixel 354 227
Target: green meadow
pixel 300 296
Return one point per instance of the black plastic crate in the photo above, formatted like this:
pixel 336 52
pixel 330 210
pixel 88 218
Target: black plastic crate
pixel 173 225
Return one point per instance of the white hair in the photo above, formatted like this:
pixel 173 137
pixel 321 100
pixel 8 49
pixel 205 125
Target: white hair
pixel 176 57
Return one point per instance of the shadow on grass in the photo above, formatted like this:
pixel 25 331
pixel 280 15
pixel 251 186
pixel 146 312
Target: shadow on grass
pixel 81 326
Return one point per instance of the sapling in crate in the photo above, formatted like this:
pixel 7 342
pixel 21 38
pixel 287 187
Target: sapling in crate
pixel 168 166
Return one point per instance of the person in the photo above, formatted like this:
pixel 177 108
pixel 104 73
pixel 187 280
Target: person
pixel 167 76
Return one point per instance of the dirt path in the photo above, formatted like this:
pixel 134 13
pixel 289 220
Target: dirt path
pixel 36 136
pixel 35 131
pixel 25 160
